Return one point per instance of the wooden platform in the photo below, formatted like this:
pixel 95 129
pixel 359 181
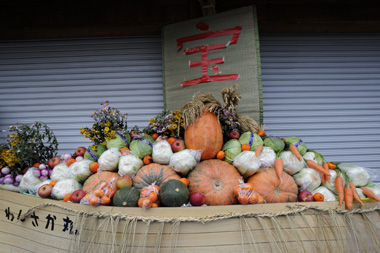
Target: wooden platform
pixel 50 226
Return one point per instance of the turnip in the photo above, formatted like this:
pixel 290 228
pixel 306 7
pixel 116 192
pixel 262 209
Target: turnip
pixel 42 178
pixel 79 158
pixel 18 178
pixel 44 172
pixel 66 156
pixel 37 172
pixel 42 166
pixel 9 180
pixel 16 183
pixel 50 171
pixel 5 170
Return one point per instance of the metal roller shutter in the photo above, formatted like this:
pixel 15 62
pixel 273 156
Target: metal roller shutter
pixel 61 82
pixel 325 90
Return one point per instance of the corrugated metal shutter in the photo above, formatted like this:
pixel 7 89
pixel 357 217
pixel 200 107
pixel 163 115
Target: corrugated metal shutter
pixel 326 90
pixel 61 82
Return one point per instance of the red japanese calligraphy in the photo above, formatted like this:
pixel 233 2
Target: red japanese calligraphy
pixel 205 62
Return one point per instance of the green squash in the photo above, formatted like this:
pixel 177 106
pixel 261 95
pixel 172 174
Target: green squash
pixel 174 193
pixel 127 197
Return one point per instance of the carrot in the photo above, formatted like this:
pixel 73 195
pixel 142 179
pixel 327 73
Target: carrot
pixel 339 189
pixel 355 193
pixel 323 178
pixel 317 167
pixel 369 193
pixel 348 197
pixel 279 167
pixel 259 149
pixel 295 152
pixel 326 167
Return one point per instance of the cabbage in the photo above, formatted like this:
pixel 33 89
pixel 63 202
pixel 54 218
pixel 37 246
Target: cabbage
pixel 375 188
pixel 247 163
pixel 291 164
pixel 358 175
pixel 129 164
pixel 62 187
pixel 142 146
pixel 328 195
pixel 29 182
pixel 185 160
pixel 120 141
pixel 162 151
pixel 231 149
pixel 92 154
pixel 80 170
pixel 267 157
pixel 331 186
pixel 109 159
pixel 301 146
pixel 252 139
pixel 315 156
pixel 60 171
pixel 307 179
pixel 275 143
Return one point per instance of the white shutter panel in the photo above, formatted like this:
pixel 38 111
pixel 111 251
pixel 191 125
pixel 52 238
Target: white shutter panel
pixel 61 82
pixel 325 90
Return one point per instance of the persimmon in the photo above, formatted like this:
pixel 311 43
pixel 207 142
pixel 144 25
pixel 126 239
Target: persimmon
pixel 237 190
pixel 105 200
pixel 245 147
pixel 147 160
pixel 153 197
pixel 260 200
pixel 155 136
pixel 262 133
pixel 318 196
pixel 98 192
pixel 95 201
pixel 220 155
pixel 53 183
pixel 36 165
pixel 67 197
pixel 144 193
pixel 243 198
pixel 252 199
pixel 332 166
pixel 94 166
pixel 155 188
pixel 170 140
pixel 109 192
pixel 70 161
pixel 185 181
pixel 154 205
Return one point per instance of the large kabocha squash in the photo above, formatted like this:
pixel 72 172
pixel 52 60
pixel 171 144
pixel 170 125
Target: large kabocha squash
pixel 267 184
pixel 205 134
pixel 126 196
pixel 153 173
pixel 107 176
pixel 216 180
pixel 174 193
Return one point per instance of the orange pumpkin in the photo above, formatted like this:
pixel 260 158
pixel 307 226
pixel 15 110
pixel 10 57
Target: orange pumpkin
pixel 102 176
pixel 205 134
pixel 267 184
pixel 153 173
pixel 216 179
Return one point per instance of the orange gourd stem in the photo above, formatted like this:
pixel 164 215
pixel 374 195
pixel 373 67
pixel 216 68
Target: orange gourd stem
pixel 295 152
pixel 355 193
pixel 339 188
pixel 259 149
pixel 369 193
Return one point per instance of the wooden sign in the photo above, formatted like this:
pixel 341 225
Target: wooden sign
pixel 212 53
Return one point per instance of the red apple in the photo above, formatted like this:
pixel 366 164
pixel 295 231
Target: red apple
pixel 77 195
pixel 234 134
pixel 197 199
pixel 178 145
pixel 124 181
pixel 80 151
pixel 53 162
pixel 305 196
pixel 45 190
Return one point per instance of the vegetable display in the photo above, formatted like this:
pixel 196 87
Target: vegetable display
pixel 203 154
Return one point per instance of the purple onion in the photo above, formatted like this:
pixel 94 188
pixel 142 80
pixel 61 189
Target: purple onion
pixel 2 180
pixel 18 178
pixel 37 172
pixel 50 171
pixel 9 175
pixel 9 180
pixel 5 170
pixel 44 172
pixel 42 166
pixel 43 178
pixel 16 183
